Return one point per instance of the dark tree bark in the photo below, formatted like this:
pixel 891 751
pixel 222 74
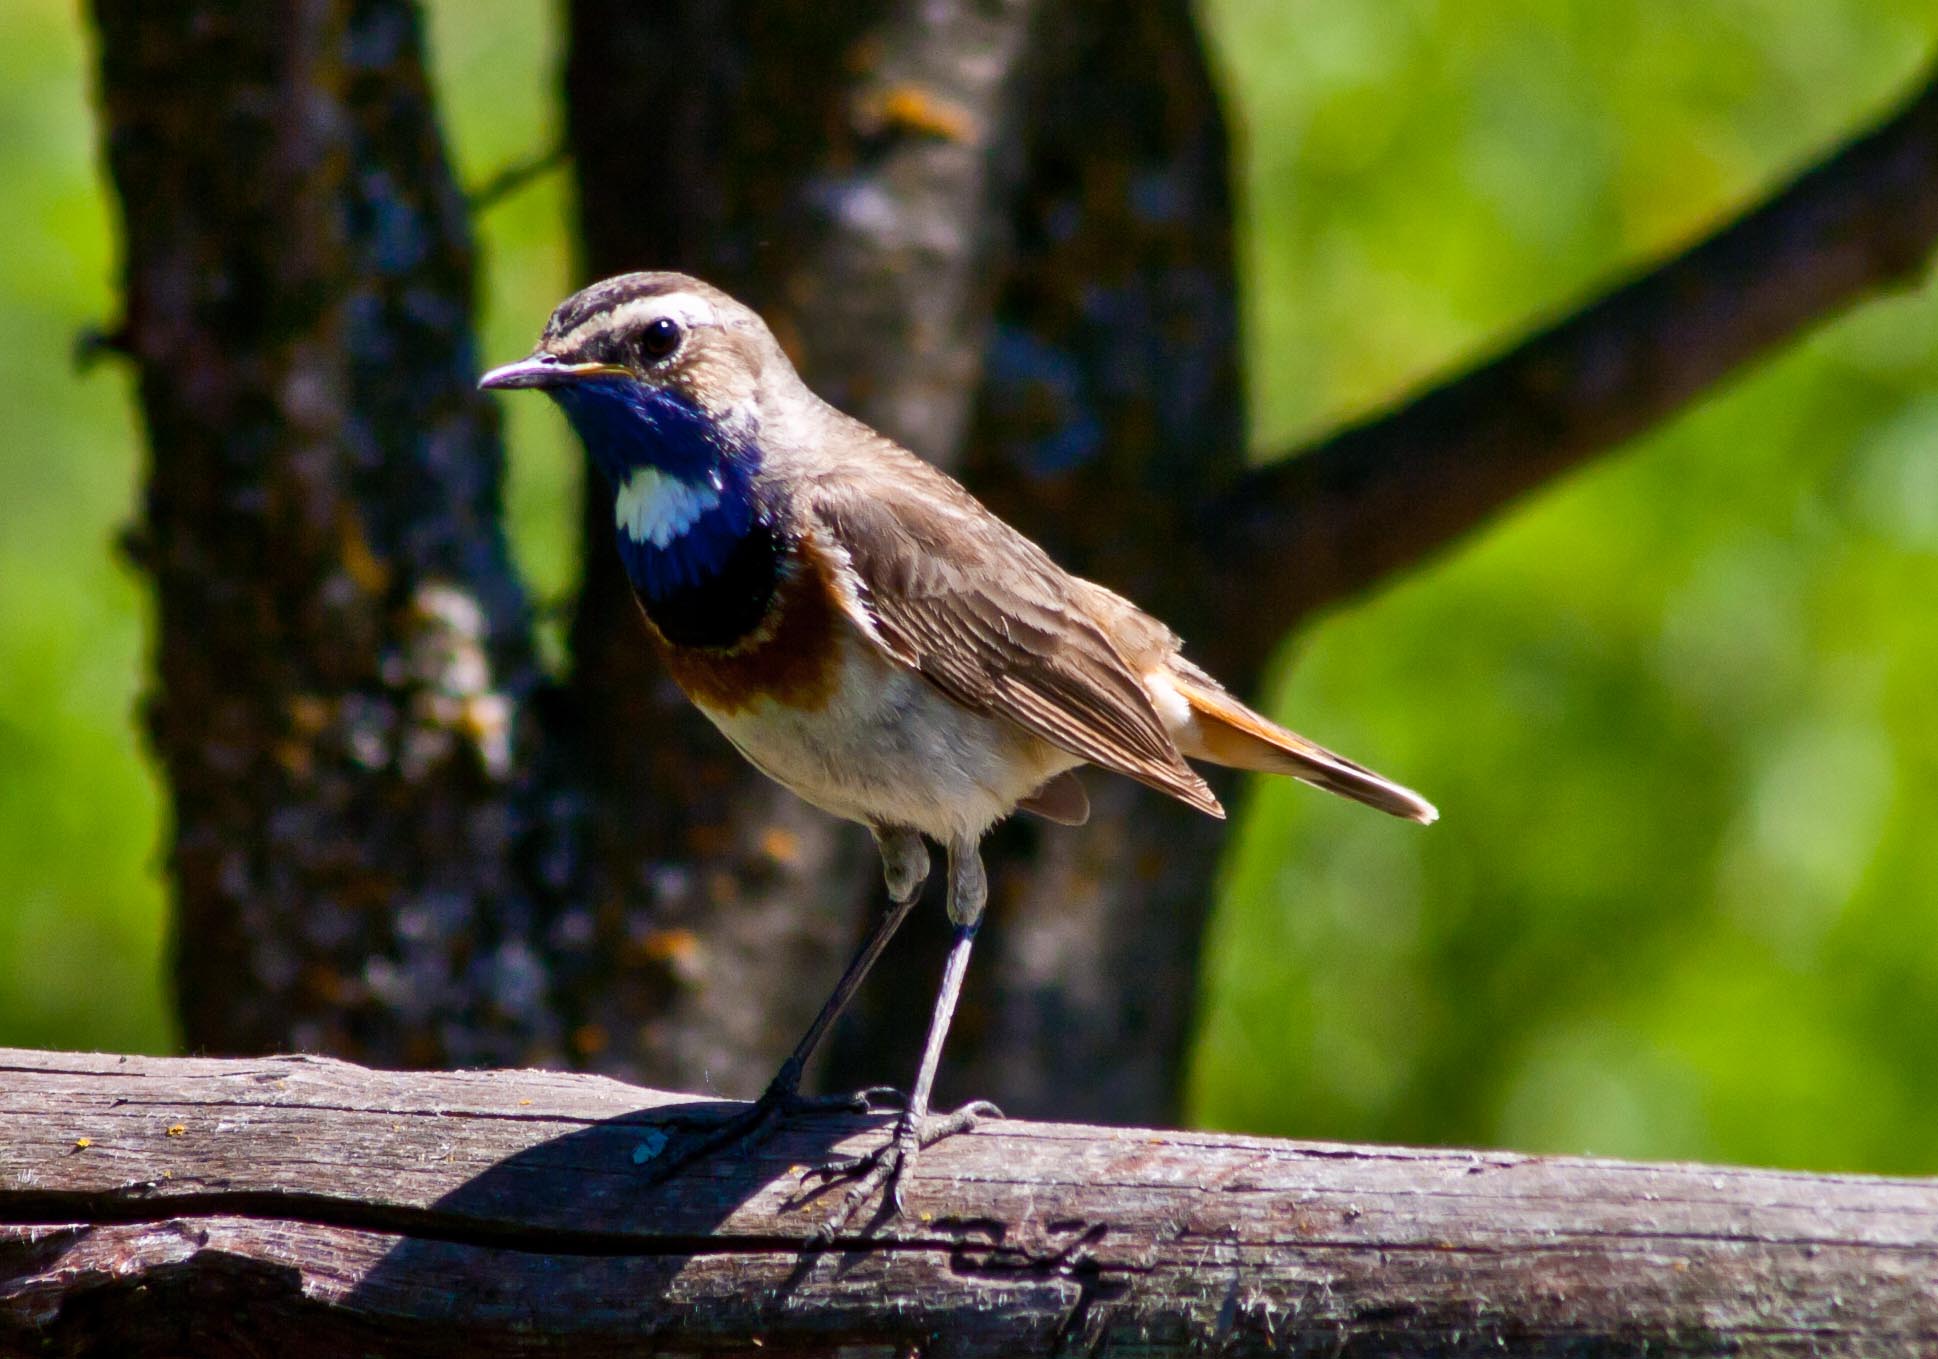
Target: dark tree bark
pixel 999 231
pixel 343 656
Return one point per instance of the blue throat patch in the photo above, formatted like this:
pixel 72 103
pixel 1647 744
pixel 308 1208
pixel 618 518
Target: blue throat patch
pixel 681 486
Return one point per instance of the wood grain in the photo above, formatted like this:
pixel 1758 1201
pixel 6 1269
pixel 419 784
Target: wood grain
pixel 306 1206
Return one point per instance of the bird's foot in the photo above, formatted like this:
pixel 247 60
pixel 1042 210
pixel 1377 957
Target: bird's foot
pixel 781 1101
pixel 886 1166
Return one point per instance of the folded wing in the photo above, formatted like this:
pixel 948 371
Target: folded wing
pixel 949 590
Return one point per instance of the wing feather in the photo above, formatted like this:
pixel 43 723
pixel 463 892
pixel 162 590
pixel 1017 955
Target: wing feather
pixel 982 613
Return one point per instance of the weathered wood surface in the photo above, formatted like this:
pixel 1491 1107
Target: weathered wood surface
pixel 303 1206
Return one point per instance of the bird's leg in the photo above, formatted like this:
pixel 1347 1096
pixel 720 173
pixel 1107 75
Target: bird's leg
pixel 916 1128
pixel 905 866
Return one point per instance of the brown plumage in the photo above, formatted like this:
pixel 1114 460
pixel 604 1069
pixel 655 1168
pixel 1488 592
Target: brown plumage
pixel 1225 731
pixel 986 616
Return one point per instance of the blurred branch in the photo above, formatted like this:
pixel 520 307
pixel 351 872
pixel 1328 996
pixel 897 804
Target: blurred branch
pixel 509 179
pixel 1319 526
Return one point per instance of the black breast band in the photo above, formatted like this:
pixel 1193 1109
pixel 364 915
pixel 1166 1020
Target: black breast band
pixel 727 604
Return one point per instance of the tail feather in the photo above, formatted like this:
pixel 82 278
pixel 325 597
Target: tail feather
pixel 1225 731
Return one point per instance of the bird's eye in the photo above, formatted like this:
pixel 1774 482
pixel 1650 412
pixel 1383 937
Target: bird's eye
pixel 660 337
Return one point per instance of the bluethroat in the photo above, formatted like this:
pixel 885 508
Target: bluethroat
pixel 867 634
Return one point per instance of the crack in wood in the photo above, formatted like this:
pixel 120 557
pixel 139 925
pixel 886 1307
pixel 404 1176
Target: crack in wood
pixel 27 1209
pixel 63 1211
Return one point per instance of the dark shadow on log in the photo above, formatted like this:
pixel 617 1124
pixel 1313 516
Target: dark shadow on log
pixel 582 1197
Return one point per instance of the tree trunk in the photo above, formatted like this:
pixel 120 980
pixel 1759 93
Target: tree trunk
pixel 1002 236
pixel 344 662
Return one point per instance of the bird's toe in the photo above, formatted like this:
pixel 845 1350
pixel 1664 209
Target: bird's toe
pixel 886 1169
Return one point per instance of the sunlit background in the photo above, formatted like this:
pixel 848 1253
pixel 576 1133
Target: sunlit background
pixel 1681 712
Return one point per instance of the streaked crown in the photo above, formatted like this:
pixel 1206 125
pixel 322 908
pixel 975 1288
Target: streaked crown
pixel 661 330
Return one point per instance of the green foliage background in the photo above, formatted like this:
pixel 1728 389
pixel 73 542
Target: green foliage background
pixel 1678 712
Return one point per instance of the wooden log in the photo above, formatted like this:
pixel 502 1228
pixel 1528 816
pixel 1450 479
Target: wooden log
pixel 299 1206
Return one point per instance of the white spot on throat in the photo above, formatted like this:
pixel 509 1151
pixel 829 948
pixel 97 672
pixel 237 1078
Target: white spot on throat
pixel 656 508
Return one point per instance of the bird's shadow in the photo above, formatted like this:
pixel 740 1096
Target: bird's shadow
pixel 580 1230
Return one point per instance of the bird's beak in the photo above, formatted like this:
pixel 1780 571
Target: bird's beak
pixel 542 370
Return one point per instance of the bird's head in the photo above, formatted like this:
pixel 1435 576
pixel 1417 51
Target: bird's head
pixel 655 370
pixel 666 380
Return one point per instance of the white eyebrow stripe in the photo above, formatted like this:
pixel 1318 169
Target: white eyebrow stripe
pixel 690 309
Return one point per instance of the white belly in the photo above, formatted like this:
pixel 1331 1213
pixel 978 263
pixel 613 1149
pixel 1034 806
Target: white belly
pixel 887 749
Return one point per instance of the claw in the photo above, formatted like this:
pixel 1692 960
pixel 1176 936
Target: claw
pixel 879 1099
pixel 887 1166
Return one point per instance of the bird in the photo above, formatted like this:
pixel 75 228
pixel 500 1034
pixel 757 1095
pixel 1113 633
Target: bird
pixel 868 634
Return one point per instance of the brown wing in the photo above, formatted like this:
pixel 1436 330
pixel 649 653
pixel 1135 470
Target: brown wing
pixel 984 615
